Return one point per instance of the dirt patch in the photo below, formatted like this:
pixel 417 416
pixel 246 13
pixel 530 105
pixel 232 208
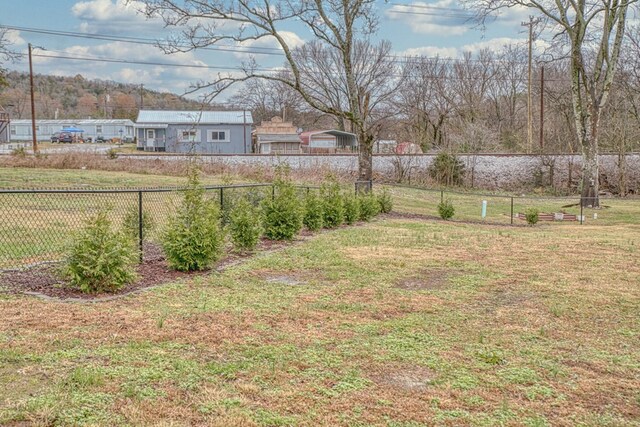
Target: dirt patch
pixel 286 280
pixel 410 379
pixel 430 280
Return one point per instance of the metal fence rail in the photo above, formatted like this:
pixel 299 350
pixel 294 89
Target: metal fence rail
pixel 35 225
pixel 509 209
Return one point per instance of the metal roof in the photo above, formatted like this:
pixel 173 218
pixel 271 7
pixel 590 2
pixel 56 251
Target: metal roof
pixel 282 137
pixel 194 117
pixel 125 122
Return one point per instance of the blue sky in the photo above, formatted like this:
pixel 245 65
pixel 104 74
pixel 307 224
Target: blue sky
pixel 401 22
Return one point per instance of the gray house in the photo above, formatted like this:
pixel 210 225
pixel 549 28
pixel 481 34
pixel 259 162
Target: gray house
pixel 202 132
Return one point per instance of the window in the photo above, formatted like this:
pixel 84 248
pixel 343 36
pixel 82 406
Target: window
pixel 218 135
pixel 98 128
pixel 188 135
pixel 151 134
pixel 13 130
pixel 37 128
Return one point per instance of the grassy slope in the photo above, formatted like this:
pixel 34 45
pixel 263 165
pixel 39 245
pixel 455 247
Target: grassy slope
pixel 502 340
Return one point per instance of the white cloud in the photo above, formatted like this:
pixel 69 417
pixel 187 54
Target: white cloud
pixel 291 38
pixel 495 45
pixel 14 38
pixel 103 15
pixel 431 20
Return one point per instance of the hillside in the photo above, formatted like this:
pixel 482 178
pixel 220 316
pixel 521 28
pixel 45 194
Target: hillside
pixel 77 97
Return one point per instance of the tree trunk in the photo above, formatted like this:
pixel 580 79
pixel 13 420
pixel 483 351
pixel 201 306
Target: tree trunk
pixel 590 174
pixel 365 161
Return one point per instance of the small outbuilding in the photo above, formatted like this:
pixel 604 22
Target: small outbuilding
pixel 198 132
pixel 276 136
pixel 328 142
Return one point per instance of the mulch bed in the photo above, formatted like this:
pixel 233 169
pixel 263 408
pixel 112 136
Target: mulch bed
pixel 44 280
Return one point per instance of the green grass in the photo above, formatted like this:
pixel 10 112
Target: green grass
pixel 501 340
pixel 469 206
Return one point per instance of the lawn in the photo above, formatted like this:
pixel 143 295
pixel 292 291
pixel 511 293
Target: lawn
pixel 613 211
pixel 398 322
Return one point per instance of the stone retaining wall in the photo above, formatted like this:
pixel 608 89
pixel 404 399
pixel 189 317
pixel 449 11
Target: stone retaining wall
pixel 491 171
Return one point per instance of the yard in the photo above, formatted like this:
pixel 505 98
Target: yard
pixel 394 323
pixel 399 322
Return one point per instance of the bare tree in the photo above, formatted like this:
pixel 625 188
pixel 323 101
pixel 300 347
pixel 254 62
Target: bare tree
pixel 593 31
pixel 6 54
pixel 342 29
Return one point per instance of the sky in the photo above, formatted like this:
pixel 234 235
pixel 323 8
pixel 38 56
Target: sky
pixel 412 27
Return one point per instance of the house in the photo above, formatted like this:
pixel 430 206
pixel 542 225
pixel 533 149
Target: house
pixel 328 141
pixel 276 136
pixel 121 129
pixel 202 132
pixel 4 126
pixel 408 148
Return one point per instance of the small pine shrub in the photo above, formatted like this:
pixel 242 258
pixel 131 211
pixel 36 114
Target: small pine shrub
pixel 193 238
pixel 99 258
pixel 313 212
pixel 245 225
pixel 130 223
pixel 446 209
pixel 333 203
pixel 447 169
pixel 532 216
pixel 351 208
pixel 282 214
pixel 369 206
pixel 385 201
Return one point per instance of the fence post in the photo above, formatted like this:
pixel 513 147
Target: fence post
pixel 441 196
pixel 371 185
pixel 140 223
pixel 221 199
pixel 273 193
pixel 512 211
pixel 581 209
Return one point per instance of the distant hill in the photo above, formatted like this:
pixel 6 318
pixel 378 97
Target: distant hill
pixel 79 98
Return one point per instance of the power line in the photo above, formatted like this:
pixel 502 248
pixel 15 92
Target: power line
pixel 252 50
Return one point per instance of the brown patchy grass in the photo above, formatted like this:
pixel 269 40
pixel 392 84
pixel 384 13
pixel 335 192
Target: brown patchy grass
pixel 521 326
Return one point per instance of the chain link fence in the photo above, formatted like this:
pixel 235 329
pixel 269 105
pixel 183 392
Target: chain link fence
pixel 506 209
pixel 36 225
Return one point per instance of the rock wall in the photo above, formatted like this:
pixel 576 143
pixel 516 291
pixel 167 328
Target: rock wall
pixel 490 171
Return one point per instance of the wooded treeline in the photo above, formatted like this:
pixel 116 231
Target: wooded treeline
pixel 477 103
pixel 80 98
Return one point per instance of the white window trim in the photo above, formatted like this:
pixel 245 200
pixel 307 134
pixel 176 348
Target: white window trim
pixel 227 134
pixel 195 138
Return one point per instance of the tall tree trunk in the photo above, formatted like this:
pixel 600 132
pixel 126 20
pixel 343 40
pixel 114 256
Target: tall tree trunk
pixel 365 158
pixel 590 171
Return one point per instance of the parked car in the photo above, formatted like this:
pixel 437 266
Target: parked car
pixel 102 139
pixel 62 137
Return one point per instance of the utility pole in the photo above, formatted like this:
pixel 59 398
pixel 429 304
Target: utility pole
pixel 542 109
pixel 141 96
pixel 530 24
pixel 33 105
